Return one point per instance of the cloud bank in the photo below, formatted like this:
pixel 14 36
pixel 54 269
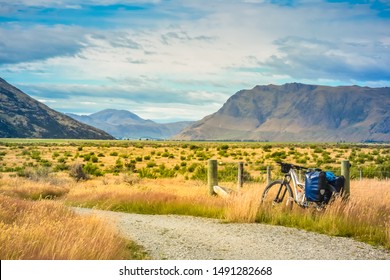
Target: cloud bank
pixel 188 56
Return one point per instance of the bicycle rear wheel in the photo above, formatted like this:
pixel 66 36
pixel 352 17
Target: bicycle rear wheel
pixel 278 193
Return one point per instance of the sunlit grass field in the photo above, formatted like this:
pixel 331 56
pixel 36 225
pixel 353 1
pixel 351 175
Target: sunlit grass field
pixel 48 230
pixel 38 182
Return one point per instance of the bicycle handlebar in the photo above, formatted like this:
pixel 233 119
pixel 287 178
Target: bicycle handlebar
pixel 287 166
pixel 298 167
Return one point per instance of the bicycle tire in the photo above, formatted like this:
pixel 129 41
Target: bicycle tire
pixel 278 193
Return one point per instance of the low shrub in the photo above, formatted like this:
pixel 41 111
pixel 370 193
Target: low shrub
pixel 92 169
pixel 35 174
pixel 77 172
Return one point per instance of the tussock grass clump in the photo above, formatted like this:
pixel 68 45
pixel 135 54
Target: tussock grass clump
pixel 48 230
pixel 41 191
pixel 32 189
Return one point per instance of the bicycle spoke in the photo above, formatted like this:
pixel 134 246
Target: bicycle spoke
pixel 277 193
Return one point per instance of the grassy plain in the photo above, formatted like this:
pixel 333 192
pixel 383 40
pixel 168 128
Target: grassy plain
pixel 170 178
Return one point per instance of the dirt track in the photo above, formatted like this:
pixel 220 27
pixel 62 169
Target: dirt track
pixel 191 238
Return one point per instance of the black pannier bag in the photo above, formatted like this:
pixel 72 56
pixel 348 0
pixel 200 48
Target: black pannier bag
pixel 318 187
pixel 338 184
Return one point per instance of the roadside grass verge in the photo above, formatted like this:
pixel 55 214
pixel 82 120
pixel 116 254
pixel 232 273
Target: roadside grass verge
pixel 47 230
pixel 156 198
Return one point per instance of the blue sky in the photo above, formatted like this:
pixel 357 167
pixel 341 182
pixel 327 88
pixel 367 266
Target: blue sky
pixel 181 60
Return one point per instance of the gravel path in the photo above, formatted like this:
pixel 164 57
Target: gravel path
pixel 192 238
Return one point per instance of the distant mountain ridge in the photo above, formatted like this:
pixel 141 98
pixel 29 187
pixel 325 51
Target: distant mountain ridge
pixel 24 117
pixel 125 124
pixel 299 112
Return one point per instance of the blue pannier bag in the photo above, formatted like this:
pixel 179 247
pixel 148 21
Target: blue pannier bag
pixel 315 186
pixel 330 177
pixel 319 186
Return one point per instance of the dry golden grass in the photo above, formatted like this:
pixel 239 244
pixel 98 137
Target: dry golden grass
pixel 32 189
pixel 364 216
pixel 147 196
pixel 48 230
pixel 370 189
pixel 243 205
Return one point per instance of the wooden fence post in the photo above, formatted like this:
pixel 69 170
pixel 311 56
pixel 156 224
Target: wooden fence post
pixel 345 165
pixel 268 175
pixel 240 179
pixel 212 175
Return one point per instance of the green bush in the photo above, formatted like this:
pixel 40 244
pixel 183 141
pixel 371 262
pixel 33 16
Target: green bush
pixel 151 164
pixel 130 166
pixel 200 173
pixel 229 173
pixel 35 154
pixel 166 172
pixel 61 160
pixel 92 169
pixel 67 154
pixel 139 159
pixel 61 167
pixel 224 147
pixel 86 157
pixel 267 148
pixel 94 159
pixel 45 163
pixel 192 167
pixel 147 173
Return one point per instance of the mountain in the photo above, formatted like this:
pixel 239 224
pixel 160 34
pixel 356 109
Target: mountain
pixel 299 112
pixel 124 124
pixel 24 117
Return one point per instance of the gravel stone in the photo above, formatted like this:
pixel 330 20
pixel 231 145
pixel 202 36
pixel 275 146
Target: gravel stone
pixel 174 237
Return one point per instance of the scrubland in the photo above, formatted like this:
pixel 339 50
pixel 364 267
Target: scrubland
pixel 40 180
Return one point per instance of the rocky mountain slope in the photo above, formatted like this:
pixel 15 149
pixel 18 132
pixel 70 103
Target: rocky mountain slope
pixel 125 124
pixel 24 117
pixel 299 112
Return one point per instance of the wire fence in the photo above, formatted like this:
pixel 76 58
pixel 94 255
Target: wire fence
pixel 228 172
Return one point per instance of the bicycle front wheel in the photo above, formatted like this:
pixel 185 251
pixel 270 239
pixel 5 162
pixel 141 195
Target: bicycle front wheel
pixel 278 193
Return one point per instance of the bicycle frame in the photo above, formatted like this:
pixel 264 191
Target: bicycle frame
pixel 297 186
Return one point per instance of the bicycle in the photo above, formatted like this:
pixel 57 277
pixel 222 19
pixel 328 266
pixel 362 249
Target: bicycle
pixel 281 191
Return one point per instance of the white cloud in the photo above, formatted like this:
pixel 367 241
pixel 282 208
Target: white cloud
pixel 47 101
